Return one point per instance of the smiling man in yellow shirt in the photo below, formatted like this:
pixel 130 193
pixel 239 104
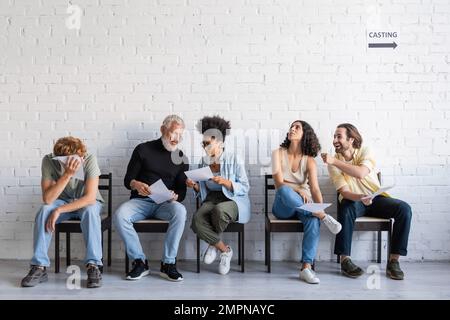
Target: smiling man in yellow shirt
pixel 352 171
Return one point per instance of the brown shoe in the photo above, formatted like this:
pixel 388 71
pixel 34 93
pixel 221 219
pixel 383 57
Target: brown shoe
pixel 94 279
pixel 35 276
pixel 350 269
pixel 393 270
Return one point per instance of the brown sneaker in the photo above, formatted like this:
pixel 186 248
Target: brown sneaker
pixel 393 270
pixel 350 269
pixel 94 279
pixel 35 276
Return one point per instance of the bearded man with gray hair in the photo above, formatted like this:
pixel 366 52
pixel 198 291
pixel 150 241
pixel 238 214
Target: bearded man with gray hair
pixel 151 161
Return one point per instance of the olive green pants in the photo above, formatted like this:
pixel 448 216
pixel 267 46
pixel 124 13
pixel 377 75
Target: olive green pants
pixel 213 217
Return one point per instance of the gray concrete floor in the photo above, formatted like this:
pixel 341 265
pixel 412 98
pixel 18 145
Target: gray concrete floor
pixel 424 280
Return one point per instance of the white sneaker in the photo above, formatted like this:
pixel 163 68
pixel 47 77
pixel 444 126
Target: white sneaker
pixel 332 224
pixel 225 259
pixel 210 255
pixel 309 276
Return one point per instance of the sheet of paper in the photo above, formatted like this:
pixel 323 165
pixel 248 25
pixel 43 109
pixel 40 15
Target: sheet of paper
pixel 159 191
pixel 378 192
pixel 80 172
pixel 201 174
pixel 315 207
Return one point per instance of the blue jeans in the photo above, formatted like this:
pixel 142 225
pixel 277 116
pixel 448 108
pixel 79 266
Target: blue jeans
pixel 140 209
pixel 284 207
pixel 90 226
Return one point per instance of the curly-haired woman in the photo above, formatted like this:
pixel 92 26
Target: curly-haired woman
pixel 224 197
pixel 295 176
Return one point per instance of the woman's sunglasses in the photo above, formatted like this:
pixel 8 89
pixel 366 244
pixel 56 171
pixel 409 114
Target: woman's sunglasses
pixel 205 143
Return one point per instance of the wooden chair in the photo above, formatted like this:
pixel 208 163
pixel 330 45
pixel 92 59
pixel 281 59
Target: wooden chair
pixel 273 224
pixel 74 225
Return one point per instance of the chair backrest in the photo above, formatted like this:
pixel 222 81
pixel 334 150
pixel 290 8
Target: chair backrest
pixel 269 184
pixel 337 193
pixel 105 183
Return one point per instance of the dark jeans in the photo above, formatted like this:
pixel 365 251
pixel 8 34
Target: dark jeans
pixel 381 207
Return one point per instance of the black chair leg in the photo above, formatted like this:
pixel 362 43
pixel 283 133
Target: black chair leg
pixel 68 249
pixel 389 243
pixel 101 241
pixel 127 264
pixel 379 248
pixel 57 251
pixel 109 246
pixel 198 254
pixel 338 258
pixel 241 249
pixel 266 240
pixel 269 254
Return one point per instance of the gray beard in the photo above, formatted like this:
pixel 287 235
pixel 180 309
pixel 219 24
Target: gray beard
pixel 167 145
pixel 211 160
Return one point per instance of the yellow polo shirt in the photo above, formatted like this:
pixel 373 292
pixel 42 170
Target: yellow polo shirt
pixel 368 185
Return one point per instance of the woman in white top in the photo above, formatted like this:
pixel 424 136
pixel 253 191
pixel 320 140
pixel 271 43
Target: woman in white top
pixel 295 175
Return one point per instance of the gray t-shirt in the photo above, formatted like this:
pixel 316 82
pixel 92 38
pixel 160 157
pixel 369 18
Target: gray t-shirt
pixel 53 170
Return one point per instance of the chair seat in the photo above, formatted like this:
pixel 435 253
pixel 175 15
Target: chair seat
pixel 77 220
pixel 371 219
pixel 274 219
pixel 151 221
pixel 151 225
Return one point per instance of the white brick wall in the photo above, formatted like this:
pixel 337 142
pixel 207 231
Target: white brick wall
pixel 260 63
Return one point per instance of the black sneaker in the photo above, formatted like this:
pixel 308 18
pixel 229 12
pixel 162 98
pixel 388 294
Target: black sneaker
pixel 35 276
pixel 140 269
pixel 393 270
pixel 169 272
pixel 94 279
pixel 350 269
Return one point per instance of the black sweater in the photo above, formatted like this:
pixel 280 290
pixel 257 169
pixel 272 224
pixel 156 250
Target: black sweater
pixel 150 162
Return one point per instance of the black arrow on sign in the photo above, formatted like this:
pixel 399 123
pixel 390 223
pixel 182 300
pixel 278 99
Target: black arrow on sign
pixel 392 45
